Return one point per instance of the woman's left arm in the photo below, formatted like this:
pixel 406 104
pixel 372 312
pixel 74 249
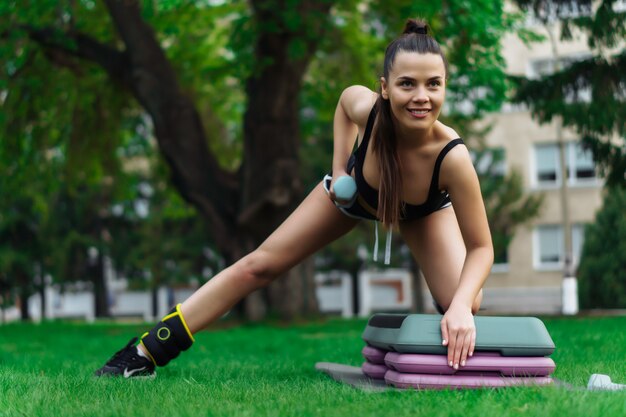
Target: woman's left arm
pixel 459 178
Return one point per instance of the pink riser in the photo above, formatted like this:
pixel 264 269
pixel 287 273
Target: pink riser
pixel 417 381
pixel 479 363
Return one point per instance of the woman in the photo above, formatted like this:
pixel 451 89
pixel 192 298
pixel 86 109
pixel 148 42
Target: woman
pixel 412 173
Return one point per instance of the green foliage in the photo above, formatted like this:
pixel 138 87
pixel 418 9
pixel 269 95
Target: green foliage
pixel 602 270
pixel 163 243
pixel 74 149
pixel 599 121
pixel 210 48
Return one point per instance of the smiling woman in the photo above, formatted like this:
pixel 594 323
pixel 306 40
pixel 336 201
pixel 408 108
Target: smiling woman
pixel 413 81
pixel 410 177
pixel 413 173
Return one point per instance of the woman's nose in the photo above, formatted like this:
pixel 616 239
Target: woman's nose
pixel 420 95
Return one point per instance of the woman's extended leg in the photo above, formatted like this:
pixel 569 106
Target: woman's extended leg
pixel 437 245
pixel 314 224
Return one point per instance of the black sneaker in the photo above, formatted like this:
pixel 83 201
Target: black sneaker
pixel 127 363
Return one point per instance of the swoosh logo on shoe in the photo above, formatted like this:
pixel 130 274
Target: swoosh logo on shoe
pixel 128 374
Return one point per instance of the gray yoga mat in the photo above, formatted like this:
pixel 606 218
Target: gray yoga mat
pixel 353 376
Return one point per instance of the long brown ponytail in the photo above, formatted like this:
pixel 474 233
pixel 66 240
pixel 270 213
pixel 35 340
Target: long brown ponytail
pixel 415 38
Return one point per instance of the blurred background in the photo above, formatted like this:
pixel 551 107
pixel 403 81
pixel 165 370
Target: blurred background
pixel 145 145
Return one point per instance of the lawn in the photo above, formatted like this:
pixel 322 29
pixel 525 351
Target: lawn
pixel 268 370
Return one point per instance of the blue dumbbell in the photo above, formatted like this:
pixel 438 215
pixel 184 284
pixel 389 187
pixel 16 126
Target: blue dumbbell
pixel 345 188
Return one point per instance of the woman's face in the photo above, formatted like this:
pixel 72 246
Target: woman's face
pixel 415 89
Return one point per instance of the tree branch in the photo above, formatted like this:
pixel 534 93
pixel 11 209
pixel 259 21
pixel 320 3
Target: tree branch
pixel 178 126
pixel 82 46
pixel 141 42
pixel 145 70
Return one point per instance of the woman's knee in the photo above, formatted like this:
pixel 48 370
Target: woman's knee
pixel 257 268
pixel 477 301
pixel 443 307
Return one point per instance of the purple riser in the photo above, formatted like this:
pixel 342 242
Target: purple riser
pixel 479 363
pixel 418 381
pixel 374 371
pixel 374 355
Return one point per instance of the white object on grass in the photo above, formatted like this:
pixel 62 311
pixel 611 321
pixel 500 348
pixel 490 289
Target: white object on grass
pixel 599 382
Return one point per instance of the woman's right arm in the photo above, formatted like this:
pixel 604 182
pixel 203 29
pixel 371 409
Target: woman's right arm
pixel 351 116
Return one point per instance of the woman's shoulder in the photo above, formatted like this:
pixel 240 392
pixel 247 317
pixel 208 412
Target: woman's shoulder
pixel 457 163
pixel 357 101
pixel 447 133
pixel 457 155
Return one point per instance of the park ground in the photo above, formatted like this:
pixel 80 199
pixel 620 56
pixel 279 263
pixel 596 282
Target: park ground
pixel 268 370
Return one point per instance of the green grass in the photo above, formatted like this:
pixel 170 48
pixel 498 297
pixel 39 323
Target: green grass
pixel 268 370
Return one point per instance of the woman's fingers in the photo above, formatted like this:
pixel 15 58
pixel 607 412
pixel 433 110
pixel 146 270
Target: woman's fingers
pixel 444 333
pixel 460 342
pixel 449 338
pixel 466 348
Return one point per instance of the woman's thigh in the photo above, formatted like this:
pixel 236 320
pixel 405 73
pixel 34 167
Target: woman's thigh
pixel 315 223
pixel 437 245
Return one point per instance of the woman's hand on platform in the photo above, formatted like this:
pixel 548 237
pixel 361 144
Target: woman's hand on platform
pixel 459 334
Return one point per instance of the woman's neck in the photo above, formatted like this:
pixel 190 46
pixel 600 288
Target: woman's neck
pixel 414 138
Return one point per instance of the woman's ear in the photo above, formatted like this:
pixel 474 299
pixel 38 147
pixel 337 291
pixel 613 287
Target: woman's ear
pixel 383 88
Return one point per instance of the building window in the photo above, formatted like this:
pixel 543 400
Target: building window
pixel 542 67
pixel 550 246
pixel 580 166
pixel 547 166
pixel 551 12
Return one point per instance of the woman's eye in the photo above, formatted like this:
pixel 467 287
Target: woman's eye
pixel 434 84
pixel 406 83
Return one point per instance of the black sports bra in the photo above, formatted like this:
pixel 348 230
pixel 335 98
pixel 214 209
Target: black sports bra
pixel 368 196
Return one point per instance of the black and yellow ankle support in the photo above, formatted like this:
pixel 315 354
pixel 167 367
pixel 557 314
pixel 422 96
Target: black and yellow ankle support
pixel 168 338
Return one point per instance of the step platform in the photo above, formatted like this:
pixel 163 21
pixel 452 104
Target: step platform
pixel 373 355
pixel 425 381
pixel 421 333
pixel 374 370
pixel 489 364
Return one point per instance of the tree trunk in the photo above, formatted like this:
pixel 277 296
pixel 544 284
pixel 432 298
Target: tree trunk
pixel 154 295
pixel 271 181
pixel 41 287
pixel 23 279
pixel 100 289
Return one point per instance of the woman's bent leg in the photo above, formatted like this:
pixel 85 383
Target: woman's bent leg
pixel 437 245
pixel 313 225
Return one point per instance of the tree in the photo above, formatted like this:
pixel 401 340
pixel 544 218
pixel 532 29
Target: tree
pixel 603 261
pixel 241 207
pixel 600 120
